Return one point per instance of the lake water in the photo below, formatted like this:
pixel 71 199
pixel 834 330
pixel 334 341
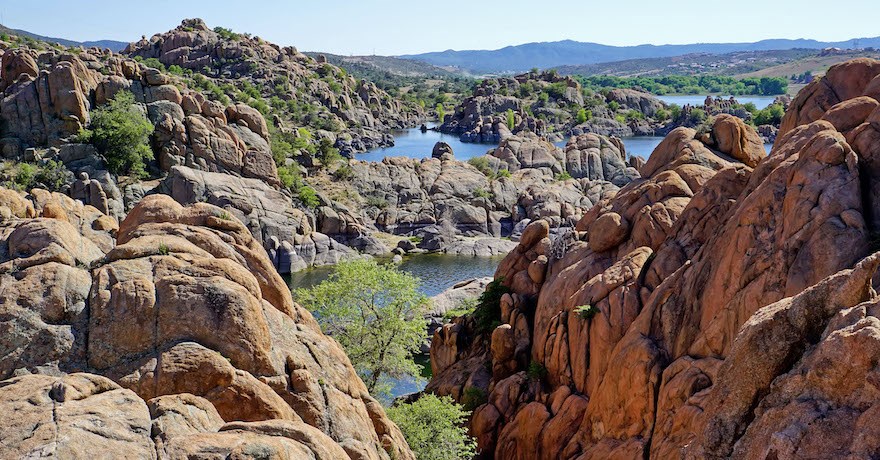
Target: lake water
pixel 413 143
pixel 437 272
pixel 760 102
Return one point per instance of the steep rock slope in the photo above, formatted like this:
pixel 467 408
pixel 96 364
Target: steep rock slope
pixel 708 310
pixel 179 337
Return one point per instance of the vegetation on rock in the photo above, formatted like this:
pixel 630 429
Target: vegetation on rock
pixel 121 133
pixel 375 312
pixel 434 428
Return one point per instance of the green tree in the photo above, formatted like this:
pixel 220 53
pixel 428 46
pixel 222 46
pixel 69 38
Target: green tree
pixel 441 113
pixel 434 428
pixel 376 313
pixel 511 119
pixel 582 116
pixel 121 133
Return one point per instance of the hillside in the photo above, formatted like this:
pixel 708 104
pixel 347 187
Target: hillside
pixel 567 52
pixel 112 45
pixel 741 64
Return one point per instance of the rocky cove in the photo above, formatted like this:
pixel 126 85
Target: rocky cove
pixel 701 298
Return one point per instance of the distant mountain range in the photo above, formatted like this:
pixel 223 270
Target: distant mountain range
pixel 546 55
pixel 111 44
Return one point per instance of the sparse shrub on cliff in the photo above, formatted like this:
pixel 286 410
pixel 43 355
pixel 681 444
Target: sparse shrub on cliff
pixel 163 249
pixel 379 324
pixel 482 193
pixel 473 398
pixel 586 311
pixel 377 202
pixel 308 196
pixel 121 133
pixel 536 371
pixel 290 177
pixel 502 173
pixel 435 428
pixel 511 119
pixel 482 165
pixel 488 312
pixel 563 176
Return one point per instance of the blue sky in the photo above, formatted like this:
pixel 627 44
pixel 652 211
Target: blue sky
pixel 399 27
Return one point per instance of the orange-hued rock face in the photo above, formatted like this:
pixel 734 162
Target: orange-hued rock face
pixel 190 337
pixel 721 306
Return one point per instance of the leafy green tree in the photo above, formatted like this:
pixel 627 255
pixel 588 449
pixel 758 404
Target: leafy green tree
pixel 511 119
pixel 583 116
pixel 441 113
pixel 434 428
pixel 772 115
pixel 376 313
pixel 121 133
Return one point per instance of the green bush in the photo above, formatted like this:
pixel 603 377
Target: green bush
pixel 435 428
pixel 481 193
pixel 154 63
pixel 772 115
pixel 586 311
pixel 536 371
pixel 511 119
pixel 482 165
pixel 563 176
pixel 290 177
pixel 584 116
pixel 473 398
pixel 308 196
pixel 502 173
pixel 377 201
pixel 121 133
pixel 487 314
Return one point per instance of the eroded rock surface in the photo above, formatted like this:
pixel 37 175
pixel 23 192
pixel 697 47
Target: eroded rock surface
pixel 180 338
pixel 722 306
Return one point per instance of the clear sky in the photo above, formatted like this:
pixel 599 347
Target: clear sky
pixel 389 27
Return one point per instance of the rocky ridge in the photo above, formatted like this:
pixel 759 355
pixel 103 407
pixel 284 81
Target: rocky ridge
pixel 721 306
pixel 353 114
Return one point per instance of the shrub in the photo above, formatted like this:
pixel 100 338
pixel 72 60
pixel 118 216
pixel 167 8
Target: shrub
pixel 488 311
pixel 154 63
pixel 502 173
pixel 435 428
pixel 584 115
pixel 377 202
pixel 536 371
pixel 224 215
pixel 482 165
pixel 121 133
pixel 226 33
pixel 613 106
pixel 163 249
pixel 290 177
pixel 344 172
pixel 309 197
pixel 586 311
pixel 511 119
pixel 481 193
pixel 563 176
pixel 441 112
pixel 24 177
pixel 473 398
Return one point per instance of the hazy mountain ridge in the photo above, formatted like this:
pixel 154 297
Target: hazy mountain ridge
pixel 113 45
pixel 568 52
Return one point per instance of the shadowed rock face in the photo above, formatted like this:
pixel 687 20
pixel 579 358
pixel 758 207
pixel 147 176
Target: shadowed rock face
pixel 733 307
pixel 181 340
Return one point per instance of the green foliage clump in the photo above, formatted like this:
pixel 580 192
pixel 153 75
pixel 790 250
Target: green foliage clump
pixel 154 63
pixel 441 112
pixel 502 173
pixel 473 398
pixel 584 115
pixel 563 176
pixel 226 34
pixel 482 165
pixel 379 323
pixel 377 201
pixel 488 311
pixel 536 371
pixel 308 196
pixel 586 311
pixel 435 428
pixel 482 193
pixel 121 133
pixel 163 249
pixel 511 119
pixel 698 116
pixel 772 115
pixel 290 177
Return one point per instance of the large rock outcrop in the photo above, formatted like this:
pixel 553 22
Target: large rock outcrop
pixel 179 337
pixel 722 306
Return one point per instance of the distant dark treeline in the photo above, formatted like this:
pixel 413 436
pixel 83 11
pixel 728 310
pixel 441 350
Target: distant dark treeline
pixel 680 84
